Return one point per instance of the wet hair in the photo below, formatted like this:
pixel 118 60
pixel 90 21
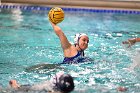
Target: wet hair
pixel 65 83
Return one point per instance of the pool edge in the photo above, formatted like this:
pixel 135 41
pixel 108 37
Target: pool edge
pixel 131 5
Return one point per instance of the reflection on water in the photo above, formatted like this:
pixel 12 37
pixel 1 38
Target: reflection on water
pixel 17 16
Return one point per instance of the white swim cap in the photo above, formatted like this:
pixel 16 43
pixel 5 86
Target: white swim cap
pixel 77 37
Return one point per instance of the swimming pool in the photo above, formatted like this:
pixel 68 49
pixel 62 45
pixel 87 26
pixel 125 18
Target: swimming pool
pixel 27 39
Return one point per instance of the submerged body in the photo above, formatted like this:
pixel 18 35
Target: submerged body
pixel 59 83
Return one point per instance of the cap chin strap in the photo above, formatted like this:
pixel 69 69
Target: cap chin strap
pixel 81 50
pixel 79 47
pixel 78 44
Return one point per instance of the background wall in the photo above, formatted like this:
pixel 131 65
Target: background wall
pixel 129 4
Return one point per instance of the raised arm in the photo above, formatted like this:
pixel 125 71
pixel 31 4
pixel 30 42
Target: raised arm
pixel 63 39
pixel 131 41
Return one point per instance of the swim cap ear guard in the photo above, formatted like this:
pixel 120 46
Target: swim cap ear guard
pixel 65 83
pixel 77 37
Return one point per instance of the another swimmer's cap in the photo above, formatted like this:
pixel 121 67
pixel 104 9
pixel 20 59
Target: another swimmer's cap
pixel 65 83
pixel 77 37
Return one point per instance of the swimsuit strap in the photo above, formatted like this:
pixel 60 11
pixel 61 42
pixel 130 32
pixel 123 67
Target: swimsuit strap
pixel 70 59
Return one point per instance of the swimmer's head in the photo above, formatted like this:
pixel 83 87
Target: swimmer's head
pixel 81 39
pixel 64 83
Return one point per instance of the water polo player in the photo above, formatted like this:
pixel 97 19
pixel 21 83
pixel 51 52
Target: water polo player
pixel 72 53
pixel 61 82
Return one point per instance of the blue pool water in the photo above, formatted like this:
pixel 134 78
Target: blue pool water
pixel 27 39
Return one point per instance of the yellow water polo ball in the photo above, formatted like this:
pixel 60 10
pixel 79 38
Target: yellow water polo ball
pixel 56 15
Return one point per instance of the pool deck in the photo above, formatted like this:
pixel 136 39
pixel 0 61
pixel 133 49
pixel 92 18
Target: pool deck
pixel 109 4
